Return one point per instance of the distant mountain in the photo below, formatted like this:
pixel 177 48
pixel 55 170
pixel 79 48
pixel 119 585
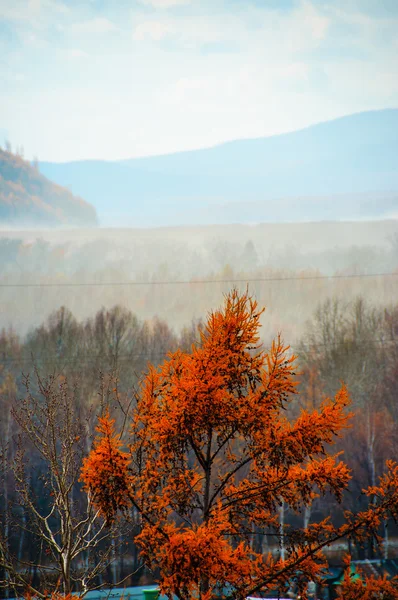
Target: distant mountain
pixel 27 198
pixel 345 168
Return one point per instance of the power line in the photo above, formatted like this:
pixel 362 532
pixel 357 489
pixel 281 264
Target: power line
pixel 195 281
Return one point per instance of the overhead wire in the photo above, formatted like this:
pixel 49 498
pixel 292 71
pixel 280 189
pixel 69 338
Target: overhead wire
pixel 86 358
pixel 196 281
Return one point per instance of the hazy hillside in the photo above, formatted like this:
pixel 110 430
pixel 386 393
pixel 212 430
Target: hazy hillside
pixel 28 198
pixel 341 169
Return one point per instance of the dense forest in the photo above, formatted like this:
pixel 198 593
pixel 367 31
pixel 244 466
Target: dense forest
pixel 27 198
pixel 84 314
pixel 59 378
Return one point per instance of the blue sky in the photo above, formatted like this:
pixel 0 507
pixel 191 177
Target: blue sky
pixel 121 78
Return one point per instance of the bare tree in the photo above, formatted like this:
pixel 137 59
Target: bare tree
pixel 64 527
pixel 351 342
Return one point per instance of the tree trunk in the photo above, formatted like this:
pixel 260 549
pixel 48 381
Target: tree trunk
pixel 281 530
pixel 114 562
pixel 385 540
pixel 372 467
pixel 307 516
pixel 4 470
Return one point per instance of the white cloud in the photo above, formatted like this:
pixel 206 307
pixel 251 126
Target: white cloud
pixel 366 28
pixel 153 30
pixel 96 25
pixel 167 90
pixel 298 71
pixel 314 21
pixel 31 39
pixel 74 53
pixel 299 30
pixel 164 3
pixel 190 31
pixel 22 10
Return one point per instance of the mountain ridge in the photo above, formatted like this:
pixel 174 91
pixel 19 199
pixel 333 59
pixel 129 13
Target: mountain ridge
pixel 227 142
pixel 353 154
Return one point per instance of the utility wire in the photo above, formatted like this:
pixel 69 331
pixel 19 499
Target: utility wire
pixel 194 281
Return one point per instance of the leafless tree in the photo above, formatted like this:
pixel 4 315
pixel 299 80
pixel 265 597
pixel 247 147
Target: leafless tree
pixel 73 545
pixel 351 342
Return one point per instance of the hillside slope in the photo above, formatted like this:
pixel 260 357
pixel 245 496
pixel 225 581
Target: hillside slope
pixel 27 198
pixel 346 157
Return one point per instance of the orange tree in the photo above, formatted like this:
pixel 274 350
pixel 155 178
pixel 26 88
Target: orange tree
pixel 212 456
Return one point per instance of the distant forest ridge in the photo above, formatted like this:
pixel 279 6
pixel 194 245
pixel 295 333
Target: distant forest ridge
pixel 341 169
pixel 28 198
pixel 289 267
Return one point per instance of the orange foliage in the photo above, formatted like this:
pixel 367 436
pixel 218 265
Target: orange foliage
pixel 371 588
pixel 212 457
pixel 367 588
pixel 105 470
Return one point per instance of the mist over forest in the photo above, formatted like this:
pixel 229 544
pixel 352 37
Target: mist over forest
pixel 179 273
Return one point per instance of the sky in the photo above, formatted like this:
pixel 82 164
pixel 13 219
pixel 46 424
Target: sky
pixel 113 79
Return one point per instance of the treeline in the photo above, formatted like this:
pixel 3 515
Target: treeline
pixel 179 280
pixel 355 343
pixel 113 340
pixel 54 384
pixel 180 253
pixel 56 381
